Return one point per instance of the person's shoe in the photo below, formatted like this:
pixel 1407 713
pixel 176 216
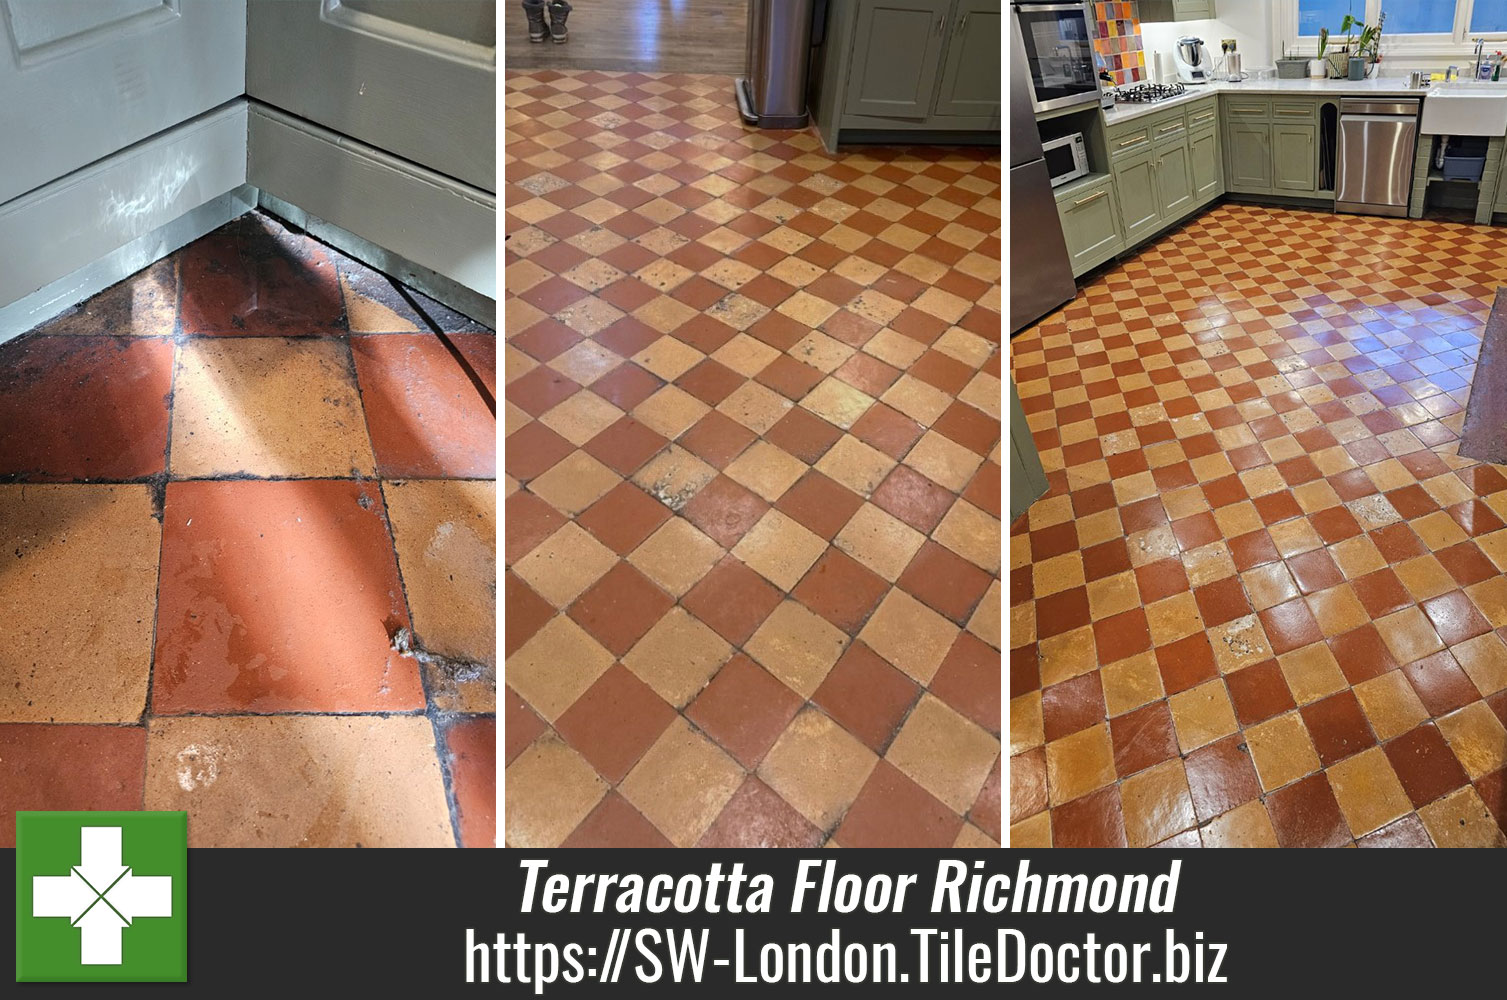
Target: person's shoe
pixel 559 10
pixel 537 29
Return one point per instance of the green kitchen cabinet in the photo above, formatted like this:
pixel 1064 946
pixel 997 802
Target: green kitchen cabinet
pixel 1135 187
pixel 970 83
pixel 1248 156
pixel 1090 222
pixel 1028 480
pixel 1153 11
pixel 1207 165
pixel 1174 179
pixel 897 49
pixel 1294 159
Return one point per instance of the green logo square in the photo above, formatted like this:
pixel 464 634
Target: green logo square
pixel 101 897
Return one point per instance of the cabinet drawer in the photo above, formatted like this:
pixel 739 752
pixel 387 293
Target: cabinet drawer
pixel 1202 116
pixel 1172 130
pixel 1091 224
pixel 1294 111
pixel 1247 109
pixel 1130 140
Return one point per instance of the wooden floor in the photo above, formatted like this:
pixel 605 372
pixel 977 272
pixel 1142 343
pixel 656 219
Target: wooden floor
pixel 681 36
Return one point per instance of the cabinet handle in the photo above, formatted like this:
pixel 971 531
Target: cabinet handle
pixel 1093 197
pixel 963 24
pixel 941 21
pixel 1132 141
pixel 1204 117
pixel 1292 111
pixel 1247 111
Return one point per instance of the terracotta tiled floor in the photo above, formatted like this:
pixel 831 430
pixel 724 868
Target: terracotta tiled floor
pixel 752 431
pixel 226 485
pixel 1263 601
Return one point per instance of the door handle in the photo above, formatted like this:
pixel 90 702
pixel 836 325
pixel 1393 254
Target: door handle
pixel 1131 141
pixel 1093 197
pixel 963 24
pixel 941 21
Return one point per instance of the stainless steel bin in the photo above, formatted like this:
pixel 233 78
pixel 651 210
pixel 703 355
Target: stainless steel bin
pixel 772 93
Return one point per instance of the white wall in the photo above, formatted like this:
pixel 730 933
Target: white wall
pixel 1246 21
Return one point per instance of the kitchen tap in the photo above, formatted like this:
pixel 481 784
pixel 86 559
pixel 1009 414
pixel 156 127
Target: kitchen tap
pixel 1480 45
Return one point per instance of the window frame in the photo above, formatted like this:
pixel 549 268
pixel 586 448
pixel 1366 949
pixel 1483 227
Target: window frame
pixel 1459 40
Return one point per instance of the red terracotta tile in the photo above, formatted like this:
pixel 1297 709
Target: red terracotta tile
pixel 732 599
pixel 841 590
pixel 541 390
pixel 1466 563
pixel 803 434
pixel 472 744
pixel 820 504
pixel 533 450
pixel 1315 571
pixel 1163 578
pixel 1141 738
pixel 1254 548
pixel 1406 832
pixel 725 510
pixel 1425 765
pixel 252 277
pixel 745 709
pixel 1397 543
pixel 716 439
pixel 625 386
pixel 425 415
pixel 1305 814
pixel 520 725
pixel 1221 777
pixel 68 768
pixel 1063 612
pixel 1440 683
pixel 84 408
pixel 894 811
pixel 1338 727
pixel 615 823
pixel 279 596
pixel 1382 593
pixel 756 817
pixel 1361 654
pixel 945 581
pixel 969 427
pixel 867 696
pixel 1222 601
pixel 621 519
pixel 1028 784
pixel 1191 532
pixel 525 613
pixel 968 680
pixel 625 445
pixel 530 521
pixel 1072 705
pixel 1094 820
pixel 614 722
pixel 1259 692
pixel 1290 626
pixel 1186 663
pixel 620 607
pixel 1455 618
pixel 887 430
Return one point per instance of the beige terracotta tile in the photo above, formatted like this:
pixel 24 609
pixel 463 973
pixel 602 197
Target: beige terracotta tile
pixel 766 470
pixel 1311 673
pixel 1066 655
pixel 581 417
pixel 668 358
pixel 909 635
pixel 267 406
pixel 574 483
pixel 78 594
pixel 1408 635
pixel 883 543
pixel 944 753
pixel 1065 572
pixel 855 465
pixel 1390 704
pixel 681 783
pixel 1245 826
pixel 308 781
pixel 562 566
pixel 678 656
pixel 972 534
pixel 1461 819
pixel 1239 644
pixel 943 461
pixel 676 556
pixel 1173 618
pixel 1202 715
pixel 1368 791
pixel 1130 683
pixel 797 646
pixel 837 402
pixel 818 767
pixel 780 549
pixel 1026 728
pixel 1034 832
pixel 1078 764
pixel 985 622
pixel 1157 804
pixel 755 406
pixel 1484 659
pixel 1282 750
pixel 670 411
pixel 674 476
pixel 1477 737
pixel 556 666
pixel 1425 577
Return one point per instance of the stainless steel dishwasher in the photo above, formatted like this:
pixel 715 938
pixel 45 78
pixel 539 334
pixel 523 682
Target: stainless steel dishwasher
pixel 1375 161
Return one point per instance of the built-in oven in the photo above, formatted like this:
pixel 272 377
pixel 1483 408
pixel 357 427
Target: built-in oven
pixel 1059 46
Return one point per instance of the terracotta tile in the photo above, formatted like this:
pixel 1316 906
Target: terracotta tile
pixel 472 746
pixel 1455 618
pixel 620 607
pixel 975 536
pixel 1361 654
pixel 145 305
pixel 533 450
pixel 894 811
pixel 968 680
pixel 1202 714
pixel 624 445
pixel 1259 692
pixel 1078 764
pixel 757 817
pixel 562 566
pixel 615 823
pixel 1440 684
pixel 253 277
pixel 766 470
pixel 1406 832
pixel 1425 764
pixel 1094 820
pixel 73 547
pixel 70 768
pixel 1028 785
pixel 621 519
pixel 866 695
pixel 744 709
pixel 445 533
pixel 253 617
pixel 818 767
pixel 841 590
pixel 1290 626
pixel 1141 738
pixel 536 671
pixel 361 781
pixel 797 646
pixel 676 557
pixel 732 599
pixel 1390 704
pixel 944 753
pixel 909 635
pixel 1221 777
pixel 1156 804
pixel 425 416
pixel 1282 750
pixel 1484 660
pixel 819 504
pixel 521 726
pixel 1306 814
pixel 803 434
pixel 1338 727
pixel 1408 635
pixel 1461 819
pixel 913 498
pixel 1477 738
pixel 1368 792
pixel 574 483
pixel 83 408
pixel 682 783
pixel 614 722
pixel 1245 826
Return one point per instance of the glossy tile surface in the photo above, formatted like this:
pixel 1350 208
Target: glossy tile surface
pixel 1262 601
pixel 249 574
pixel 752 445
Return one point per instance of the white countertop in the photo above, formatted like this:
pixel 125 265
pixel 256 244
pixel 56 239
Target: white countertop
pixel 1386 86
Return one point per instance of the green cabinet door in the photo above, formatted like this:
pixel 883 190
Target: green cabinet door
pixel 1174 179
pixel 1091 225
pixel 1294 162
pixel 1135 187
pixel 970 76
pixel 1028 481
pixel 1249 157
pixel 897 48
pixel 1208 165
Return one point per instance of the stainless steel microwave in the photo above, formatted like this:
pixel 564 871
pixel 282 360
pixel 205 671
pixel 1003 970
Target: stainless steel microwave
pixel 1059 51
pixel 1066 157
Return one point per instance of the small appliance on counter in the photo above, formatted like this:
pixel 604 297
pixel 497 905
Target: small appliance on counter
pixel 1067 158
pixel 1194 64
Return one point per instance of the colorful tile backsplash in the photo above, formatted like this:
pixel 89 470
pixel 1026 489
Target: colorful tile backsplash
pixel 1117 41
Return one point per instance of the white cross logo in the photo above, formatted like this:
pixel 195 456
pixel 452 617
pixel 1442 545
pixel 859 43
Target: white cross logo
pixel 101 896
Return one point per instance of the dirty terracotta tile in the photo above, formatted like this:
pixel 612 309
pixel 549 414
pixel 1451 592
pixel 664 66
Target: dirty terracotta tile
pixel 426 414
pixel 254 277
pixel 472 744
pixel 68 768
pixel 361 781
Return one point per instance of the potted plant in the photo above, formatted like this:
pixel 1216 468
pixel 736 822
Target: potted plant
pixel 1317 68
pixel 1354 59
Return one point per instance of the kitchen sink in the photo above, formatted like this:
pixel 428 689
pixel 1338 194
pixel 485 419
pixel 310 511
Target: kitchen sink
pixel 1465 108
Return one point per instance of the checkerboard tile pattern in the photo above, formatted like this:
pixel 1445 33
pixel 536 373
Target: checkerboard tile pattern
pixel 1263 600
pixel 248 512
pixel 752 458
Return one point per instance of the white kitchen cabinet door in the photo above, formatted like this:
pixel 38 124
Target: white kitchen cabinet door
pixel 81 79
pixel 412 77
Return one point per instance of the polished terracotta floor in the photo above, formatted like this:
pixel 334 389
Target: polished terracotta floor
pixel 752 432
pixel 1263 601
pixel 248 515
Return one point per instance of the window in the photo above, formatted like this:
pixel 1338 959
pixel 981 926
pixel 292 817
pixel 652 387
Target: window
pixel 1419 17
pixel 1316 14
pixel 1488 16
